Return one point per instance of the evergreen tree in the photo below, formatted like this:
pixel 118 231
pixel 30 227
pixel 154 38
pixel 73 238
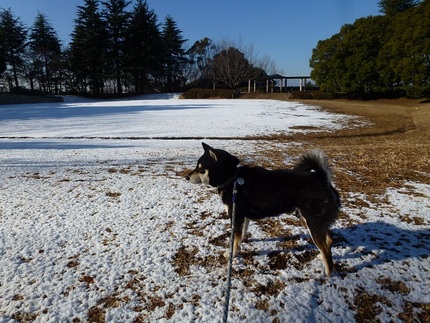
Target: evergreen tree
pixel 392 7
pixel 46 48
pixel 2 59
pixel 327 62
pixel 348 61
pixel 174 54
pixel 377 54
pixel 144 47
pixel 88 47
pixel 31 67
pixel 116 20
pixel 408 50
pixel 200 55
pixel 13 36
pixel 364 39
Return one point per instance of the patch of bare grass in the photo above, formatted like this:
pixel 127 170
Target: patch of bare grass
pixel 392 148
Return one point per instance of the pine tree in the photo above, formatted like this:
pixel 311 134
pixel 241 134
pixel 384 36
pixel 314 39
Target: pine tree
pixel 174 53
pixel 2 59
pixel 46 48
pixel 117 20
pixel 88 47
pixel 13 36
pixel 200 55
pixel 144 47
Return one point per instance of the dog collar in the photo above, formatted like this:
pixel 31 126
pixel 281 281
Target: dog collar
pixel 235 179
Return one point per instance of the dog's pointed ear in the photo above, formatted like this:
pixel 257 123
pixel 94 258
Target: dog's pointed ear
pixel 208 149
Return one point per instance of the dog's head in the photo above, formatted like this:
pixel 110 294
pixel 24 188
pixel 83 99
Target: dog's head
pixel 215 167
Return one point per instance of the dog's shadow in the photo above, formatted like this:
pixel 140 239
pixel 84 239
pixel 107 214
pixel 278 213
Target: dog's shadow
pixel 376 243
pixel 366 244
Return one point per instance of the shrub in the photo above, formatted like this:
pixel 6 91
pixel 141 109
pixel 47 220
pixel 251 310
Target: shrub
pixel 301 95
pixel 414 92
pixel 197 93
pixel 318 95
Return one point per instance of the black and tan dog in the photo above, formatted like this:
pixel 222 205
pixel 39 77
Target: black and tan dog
pixel 306 188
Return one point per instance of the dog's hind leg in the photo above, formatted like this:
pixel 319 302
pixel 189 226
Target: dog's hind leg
pixel 328 239
pixel 323 241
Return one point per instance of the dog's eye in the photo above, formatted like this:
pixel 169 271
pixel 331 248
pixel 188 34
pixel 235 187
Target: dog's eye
pixel 202 171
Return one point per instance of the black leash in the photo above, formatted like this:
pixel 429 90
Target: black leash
pixel 240 181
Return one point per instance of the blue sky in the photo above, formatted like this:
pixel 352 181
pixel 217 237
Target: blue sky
pixel 284 30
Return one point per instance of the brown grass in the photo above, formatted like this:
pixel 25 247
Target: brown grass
pixel 395 147
pixel 392 147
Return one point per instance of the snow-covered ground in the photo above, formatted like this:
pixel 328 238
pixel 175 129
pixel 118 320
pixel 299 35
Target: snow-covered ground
pixel 97 223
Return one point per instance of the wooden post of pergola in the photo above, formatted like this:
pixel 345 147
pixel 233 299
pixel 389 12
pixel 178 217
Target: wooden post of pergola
pixel 273 78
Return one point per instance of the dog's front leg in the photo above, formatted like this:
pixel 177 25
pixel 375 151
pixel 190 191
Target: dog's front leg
pixel 238 231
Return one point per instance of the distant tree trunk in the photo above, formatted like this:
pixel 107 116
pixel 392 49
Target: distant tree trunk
pixel 118 85
pixel 15 74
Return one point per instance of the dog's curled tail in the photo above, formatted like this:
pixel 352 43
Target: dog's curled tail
pixel 315 160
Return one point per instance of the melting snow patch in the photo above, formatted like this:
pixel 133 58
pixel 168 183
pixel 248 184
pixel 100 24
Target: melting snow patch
pixel 108 230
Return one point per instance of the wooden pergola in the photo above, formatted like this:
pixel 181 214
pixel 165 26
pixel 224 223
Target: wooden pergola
pixel 283 82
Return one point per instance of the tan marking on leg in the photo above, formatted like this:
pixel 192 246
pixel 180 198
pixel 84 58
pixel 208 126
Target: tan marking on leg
pixel 328 239
pixel 244 229
pixel 326 255
pixel 323 242
pixel 236 244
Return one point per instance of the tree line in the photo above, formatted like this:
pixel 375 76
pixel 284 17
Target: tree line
pixel 117 50
pixel 390 52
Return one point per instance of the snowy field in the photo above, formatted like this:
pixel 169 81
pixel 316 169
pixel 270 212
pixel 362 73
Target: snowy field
pixel 97 223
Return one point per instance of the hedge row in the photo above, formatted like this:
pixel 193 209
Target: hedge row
pixel 197 93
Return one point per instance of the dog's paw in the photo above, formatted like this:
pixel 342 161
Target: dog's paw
pixel 227 254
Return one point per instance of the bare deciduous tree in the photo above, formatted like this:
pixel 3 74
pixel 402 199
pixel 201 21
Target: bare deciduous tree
pixel 236 63
pixel 231 68
pixel 267 64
